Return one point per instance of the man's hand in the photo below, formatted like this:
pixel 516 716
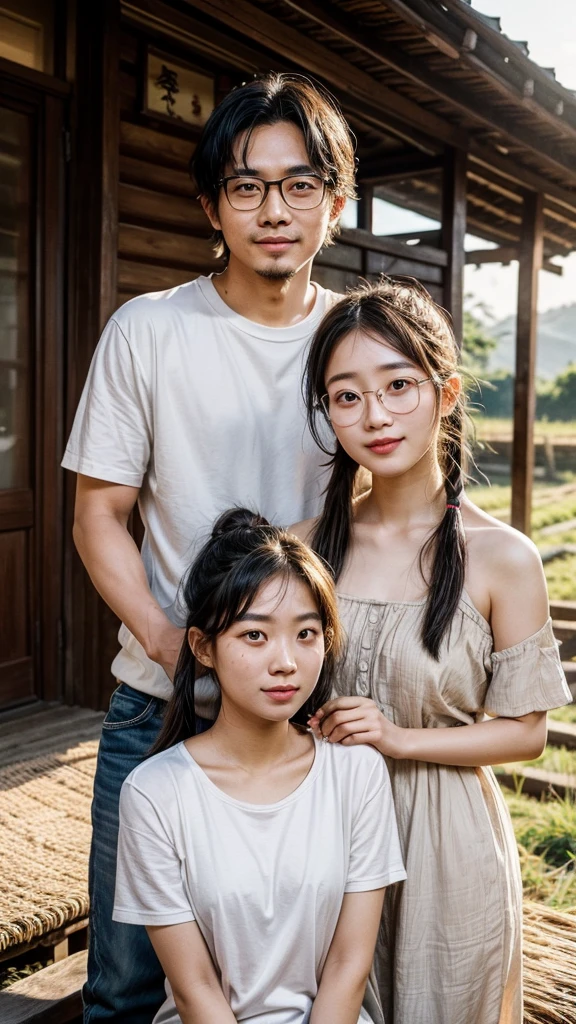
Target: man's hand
pixel 353 720
pixel 167 647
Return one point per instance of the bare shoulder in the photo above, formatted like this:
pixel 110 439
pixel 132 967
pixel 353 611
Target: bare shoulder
pixel 505 576
pixel 497 546
pixel 304 529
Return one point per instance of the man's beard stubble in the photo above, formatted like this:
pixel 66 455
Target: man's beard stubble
pixel 277 275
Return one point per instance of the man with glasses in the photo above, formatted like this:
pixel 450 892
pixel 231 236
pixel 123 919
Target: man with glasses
pixel 192 405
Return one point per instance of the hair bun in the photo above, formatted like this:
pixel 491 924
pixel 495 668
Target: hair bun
pixel 237 519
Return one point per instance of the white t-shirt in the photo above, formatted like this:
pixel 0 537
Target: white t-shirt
pixel 264 882
pixel 202 409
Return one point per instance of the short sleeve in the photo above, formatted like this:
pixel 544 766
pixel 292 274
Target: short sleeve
pixel 111 434
pixel 375 855
pixel 150 886
pixel 527 677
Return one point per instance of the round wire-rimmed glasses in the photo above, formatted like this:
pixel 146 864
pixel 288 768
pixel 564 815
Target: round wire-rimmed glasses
pixel 345 406
pixel 299 191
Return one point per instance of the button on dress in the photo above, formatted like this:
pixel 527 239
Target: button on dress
pixel 449 949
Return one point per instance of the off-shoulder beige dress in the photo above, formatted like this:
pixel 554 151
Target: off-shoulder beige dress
pixel 449 950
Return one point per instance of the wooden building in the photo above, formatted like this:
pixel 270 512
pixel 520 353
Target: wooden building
pixel 100 106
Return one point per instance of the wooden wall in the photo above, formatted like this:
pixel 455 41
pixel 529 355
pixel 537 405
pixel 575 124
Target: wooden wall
pixel 163 234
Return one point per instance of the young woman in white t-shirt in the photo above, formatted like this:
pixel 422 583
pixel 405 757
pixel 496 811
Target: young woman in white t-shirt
pixel 255 855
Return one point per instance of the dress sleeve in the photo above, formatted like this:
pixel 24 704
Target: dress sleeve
pixel 527 677
pixel 150 886
pixel 111 434
pixel 375 855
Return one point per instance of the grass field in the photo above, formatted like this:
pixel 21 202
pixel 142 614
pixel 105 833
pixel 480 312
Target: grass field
pixel 552 504
pixel 556 759
pixel 566 714
pixel 488 429
pixel 546 835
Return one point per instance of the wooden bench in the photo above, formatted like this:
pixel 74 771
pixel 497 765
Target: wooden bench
pixel 51 996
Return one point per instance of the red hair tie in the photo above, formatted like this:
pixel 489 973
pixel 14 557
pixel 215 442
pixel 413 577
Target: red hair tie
pixel 457 507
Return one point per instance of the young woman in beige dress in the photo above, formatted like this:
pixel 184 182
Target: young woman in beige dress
pixel 447 621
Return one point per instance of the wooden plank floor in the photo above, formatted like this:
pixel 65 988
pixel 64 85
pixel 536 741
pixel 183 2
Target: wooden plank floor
pixel 52 996
pixel 47 731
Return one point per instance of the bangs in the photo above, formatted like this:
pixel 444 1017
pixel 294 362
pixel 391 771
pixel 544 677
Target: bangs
pixel 239 589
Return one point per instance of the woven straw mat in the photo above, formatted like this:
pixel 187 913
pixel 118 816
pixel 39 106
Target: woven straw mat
pixel 45 834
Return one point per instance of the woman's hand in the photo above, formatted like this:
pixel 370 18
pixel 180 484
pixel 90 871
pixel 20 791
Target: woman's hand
pixel 352 720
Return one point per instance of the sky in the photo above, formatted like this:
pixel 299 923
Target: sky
pixel 550 30
pixel 551 37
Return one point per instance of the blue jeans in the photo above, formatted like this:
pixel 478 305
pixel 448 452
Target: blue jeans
pixel 125 980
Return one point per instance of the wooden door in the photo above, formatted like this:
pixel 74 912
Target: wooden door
pixel 30 395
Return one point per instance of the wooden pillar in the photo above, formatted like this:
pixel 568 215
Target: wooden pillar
pixel 90 627
pixel 365 199
pixel 365 218
pixel 530 262
pixel 453 232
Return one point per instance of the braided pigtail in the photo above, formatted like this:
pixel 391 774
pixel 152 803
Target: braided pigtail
pixel 447 544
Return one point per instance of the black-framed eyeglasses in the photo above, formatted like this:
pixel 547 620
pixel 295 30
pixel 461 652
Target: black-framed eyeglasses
pixel 299 191
pixel 345 406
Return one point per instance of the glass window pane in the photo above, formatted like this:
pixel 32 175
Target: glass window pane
pixel 14 299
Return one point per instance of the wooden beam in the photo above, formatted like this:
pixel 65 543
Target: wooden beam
pixel 148 207
pixel 429 237
pixel 511 169
pixel 376 170
pixel 453 232
pixel 512 53
pixel 164 19
pixel 504 75
pixel 503 254
pixel 385 106
pixel 168 248
pixel 531 244
pixel 506 254
pixel 166 180
pixel 492 230
pixel 50 996
pixel 157 147
pixel 37 79
pixel 458 94
pixel 379 263
pixel 391 246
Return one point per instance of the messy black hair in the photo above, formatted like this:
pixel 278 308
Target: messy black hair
pixel 266 101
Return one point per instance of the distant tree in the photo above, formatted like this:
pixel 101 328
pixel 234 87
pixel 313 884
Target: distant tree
pixel 477 342
pixel 493 395
pixel 557 399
